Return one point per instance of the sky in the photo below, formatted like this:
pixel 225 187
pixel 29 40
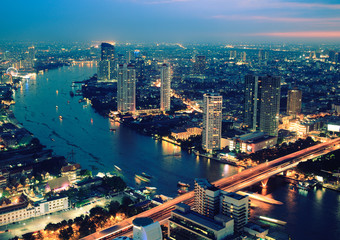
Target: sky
pixel 170 20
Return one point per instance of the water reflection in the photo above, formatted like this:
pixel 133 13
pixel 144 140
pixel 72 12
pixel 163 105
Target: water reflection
pixel 98 148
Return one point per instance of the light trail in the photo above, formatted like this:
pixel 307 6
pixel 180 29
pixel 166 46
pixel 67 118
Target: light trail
pixel 233 183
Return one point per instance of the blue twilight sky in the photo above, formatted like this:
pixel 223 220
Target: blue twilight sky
pixel 170 20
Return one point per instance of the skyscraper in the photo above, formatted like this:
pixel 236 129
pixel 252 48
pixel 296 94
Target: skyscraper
pixel 126 88
pixel 212 122
pixel 262 103
pixel 207 198
pixel 294 102
pixel 107 64
pixel 165 87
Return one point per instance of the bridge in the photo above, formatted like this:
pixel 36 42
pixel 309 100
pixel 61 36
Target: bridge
pixel 233 183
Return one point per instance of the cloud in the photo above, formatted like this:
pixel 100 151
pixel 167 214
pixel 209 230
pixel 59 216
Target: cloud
pixel 309 34
pixel 277 19
pixel 165 1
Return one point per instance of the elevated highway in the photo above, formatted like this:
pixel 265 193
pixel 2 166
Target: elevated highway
pixel 233 183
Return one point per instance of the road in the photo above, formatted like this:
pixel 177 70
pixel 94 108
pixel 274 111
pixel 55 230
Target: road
pixel 233 183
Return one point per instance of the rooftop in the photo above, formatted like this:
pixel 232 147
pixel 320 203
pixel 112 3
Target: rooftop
pixel 200 219
pixel 142 222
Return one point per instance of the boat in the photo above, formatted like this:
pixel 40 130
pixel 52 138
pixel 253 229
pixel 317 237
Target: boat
pixel 146 192
pixel 61 117
pixel 303 186
pixel 56 107
pixel 68 102
pixel 183 184
pixel 151 188
pixel 144 179
pixel 71 93
pixel 117 168
pixel 111 129
pixel 146 175
pixel 52 139
pixel 272 220
pixel 181 191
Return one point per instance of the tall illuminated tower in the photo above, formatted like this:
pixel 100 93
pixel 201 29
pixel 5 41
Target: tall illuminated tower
pixel 126 88
pixel 262 103
pixel 212 122
pixel 107 64
pixel 294 102
pixel 165 87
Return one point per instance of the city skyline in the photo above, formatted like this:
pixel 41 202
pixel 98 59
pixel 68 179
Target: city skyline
pixel 173 20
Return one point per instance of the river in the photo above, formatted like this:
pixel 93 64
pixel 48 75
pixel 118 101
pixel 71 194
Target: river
pixel 41 101
pixel 309 215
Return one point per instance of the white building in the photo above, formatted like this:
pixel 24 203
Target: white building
pixel 25 210
pixel 237 207
pixel 212 122
pixel 126 88
pixel 207 198
pixel 165 87
pixel 145 229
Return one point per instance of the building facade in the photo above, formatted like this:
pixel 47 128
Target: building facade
pixel 165 87
pixel 185 224
pixel 126 88
pixel 107 67
pixel 262 103
pixel 212 122
pixel 25 210
pixel 237 207
pixel 207 198
pixel 294 102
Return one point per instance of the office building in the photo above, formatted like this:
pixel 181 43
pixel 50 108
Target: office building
pixel 199 65
pixel 294 102
pixel 145 228
pixel 207 198
pixel 212 122
pixel 237 207
pixel 107 65
pixel 165 87
pixel 126 88
pixel 185 224
pixel 262 103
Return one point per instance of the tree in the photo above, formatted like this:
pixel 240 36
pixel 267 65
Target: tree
pixel 98 211
pixel 66 234
pixel 113 207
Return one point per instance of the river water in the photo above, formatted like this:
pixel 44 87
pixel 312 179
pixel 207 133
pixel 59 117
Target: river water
pixel 40 102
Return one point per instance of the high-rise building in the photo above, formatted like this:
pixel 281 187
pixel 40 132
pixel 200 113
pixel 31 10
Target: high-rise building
pixel 199 65
pixel 237 207
pixel 262 103
pixel 145 228
pixel 207 198
pixel 107 51
pixel 214 203
pixel 165 87
pixel 126 88
pixel 107 65
pixel 294 102
pixel 243 56
pixel 212 122
pixel 232 54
